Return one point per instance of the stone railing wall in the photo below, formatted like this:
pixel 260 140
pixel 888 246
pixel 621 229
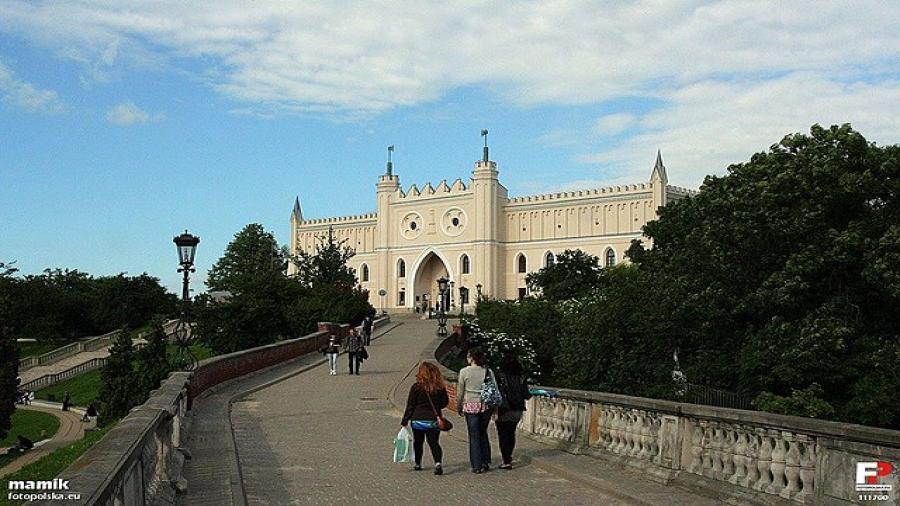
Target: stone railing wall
pixel 745 456
pixel 47 380
pixel 139 461
pixel 92 344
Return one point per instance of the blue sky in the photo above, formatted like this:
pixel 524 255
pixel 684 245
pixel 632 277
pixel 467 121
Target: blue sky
pixel 122 125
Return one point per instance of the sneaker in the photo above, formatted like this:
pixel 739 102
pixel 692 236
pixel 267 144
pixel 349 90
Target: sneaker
pixel 417 468
pixel 477 471
pixel 506 466
pixel 438 470
pixel 486 468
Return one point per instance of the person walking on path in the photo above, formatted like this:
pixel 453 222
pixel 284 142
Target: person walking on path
pixel 478 417
pixel 331 351
pixel 67 402
pixel 427 396
pixel 367 329
pixel 354 343
pixel 512 384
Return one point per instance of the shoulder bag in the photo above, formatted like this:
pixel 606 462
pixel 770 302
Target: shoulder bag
pixel 442 422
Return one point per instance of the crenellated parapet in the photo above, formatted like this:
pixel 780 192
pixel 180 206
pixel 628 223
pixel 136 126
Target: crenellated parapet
pixel 609 191
pixel 343 220
pixel 680 191
pixel 429 191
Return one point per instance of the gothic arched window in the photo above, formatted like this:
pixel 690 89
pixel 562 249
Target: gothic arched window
pixel 365 272
pixel 549 259
pixel 465 266
pixel 610 257
pixel 401 269
pixel 523 263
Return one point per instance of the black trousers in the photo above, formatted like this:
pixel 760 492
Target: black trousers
pixel 354 362
pixel 506 433
pixel 433 436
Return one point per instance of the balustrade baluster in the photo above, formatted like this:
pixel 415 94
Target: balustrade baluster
pixel 778 455
pixel 764 461
pixel 728 453
pixel 655 425
pixel 791 466
pixel 807 469
pixel 715 452
pixel 739 458
pixel 645 436
pixel 751 453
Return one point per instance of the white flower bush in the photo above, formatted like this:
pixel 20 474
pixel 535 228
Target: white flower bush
pixel 496 344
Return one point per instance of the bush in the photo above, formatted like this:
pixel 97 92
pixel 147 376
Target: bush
pixel 537 321
pixel 806 402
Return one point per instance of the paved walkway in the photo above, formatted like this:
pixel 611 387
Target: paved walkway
pixel 71 429
pixel 61 365
pixel 312 438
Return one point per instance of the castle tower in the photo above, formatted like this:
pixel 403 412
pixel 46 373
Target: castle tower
pixel 489 198
pixel 386 191
pixel 658 182
pixel 296 220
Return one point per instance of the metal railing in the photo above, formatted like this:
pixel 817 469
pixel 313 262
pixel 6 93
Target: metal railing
pixel 709 396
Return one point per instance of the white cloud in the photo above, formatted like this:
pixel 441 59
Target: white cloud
pixel 127 113
pixel 710 125
pixel 22 94
pixel 371 57
pixel 612 124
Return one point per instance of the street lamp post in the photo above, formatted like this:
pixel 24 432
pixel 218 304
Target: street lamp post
pixel 442 315
pixel 450 300
pixel 463 295
pixel 187 248
pixel 478 289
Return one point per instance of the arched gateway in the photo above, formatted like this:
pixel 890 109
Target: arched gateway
pixel 430 266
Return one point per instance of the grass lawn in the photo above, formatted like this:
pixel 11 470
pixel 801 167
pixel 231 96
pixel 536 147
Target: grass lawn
pixel 51 465
pixel 30 424
pixel 83 389
pixel 201 351
pixel 29 349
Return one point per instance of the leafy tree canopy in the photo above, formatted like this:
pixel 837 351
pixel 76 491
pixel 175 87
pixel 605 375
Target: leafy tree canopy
pixel 252 254
pixel 328 265
pixel 574 274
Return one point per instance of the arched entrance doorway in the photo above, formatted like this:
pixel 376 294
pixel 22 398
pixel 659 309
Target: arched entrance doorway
pixel 429 268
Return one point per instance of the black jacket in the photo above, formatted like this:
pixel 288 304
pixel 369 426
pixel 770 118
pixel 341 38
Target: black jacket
pixel 418 407
pixel 514 390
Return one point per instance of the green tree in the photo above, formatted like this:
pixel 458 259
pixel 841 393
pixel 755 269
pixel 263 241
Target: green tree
pixel 9 364
pixel 252 254
pixel 152 361
pixel 538 321
pixel 121 388
pixel 574 274
pixel 328 265
pixel 784 273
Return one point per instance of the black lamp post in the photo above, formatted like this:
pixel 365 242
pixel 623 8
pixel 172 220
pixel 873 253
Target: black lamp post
pixel 463 296
pixel 442 315
pixel 187 247
pixel 450 299
pixel 478 289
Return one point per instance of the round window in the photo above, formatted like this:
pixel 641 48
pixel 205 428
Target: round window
pixel 455 222
pixel 412 225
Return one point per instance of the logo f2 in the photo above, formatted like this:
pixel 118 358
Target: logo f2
pixel 870 472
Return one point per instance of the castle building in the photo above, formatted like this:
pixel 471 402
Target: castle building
pixel 478 237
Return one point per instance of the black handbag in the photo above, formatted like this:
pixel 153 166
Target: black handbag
pixel 362 354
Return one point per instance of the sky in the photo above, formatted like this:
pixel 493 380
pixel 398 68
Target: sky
pixel 124 123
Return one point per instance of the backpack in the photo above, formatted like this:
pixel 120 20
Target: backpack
pixel 511 387
pixel 490 393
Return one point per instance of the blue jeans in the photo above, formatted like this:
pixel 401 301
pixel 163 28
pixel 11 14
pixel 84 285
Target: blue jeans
pixel 479 445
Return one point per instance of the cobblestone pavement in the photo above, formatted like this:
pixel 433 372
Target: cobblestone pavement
pixel 320 439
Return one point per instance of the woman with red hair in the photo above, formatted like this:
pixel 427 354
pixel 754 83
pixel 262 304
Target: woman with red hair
pixel 427 397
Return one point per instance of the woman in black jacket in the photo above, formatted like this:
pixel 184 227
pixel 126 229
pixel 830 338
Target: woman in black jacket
pixel 511 382
pixel 427 397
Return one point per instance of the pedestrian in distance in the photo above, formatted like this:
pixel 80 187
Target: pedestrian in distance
pixel 90 412
pixel 367 329
pixel 331 350
pixel 354 345
pixel 514 388
pixel 478 416
pixel 67 402
pixel 427 396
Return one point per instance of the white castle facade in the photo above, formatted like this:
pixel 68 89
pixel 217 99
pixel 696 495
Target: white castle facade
pixel 477 236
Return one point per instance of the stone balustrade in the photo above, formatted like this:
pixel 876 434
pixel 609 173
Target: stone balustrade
pixel 739 455
pixel 139 461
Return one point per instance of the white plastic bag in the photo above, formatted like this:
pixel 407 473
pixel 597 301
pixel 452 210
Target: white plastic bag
pixel 403 446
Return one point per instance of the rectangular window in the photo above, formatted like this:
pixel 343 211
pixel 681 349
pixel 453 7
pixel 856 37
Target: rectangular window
pixel 522 293
pixel 464 295
pixel 401 300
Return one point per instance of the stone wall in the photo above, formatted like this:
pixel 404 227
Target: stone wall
pixel 139 461
pixel 740 456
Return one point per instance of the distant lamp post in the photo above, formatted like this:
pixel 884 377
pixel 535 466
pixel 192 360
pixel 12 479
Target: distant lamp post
pixel 187 248
pixel 463 297
pixel 451 301
pixel 478 289
pixel 442 315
